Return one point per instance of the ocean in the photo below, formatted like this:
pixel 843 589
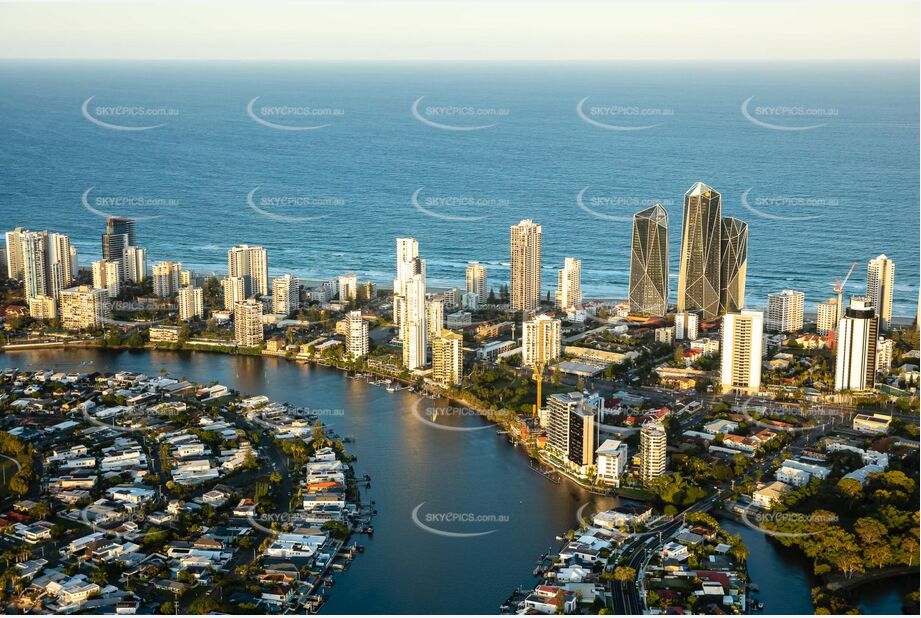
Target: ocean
pixel 326 164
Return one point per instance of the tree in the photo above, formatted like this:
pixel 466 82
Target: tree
pixel 738 550
pixel 850 488
pixel 318 434
pixel 848 563
pixel 878 556
pixel 624 574
pixel 909 550
pixel 212 293
pixel 679 355
pixel 870 531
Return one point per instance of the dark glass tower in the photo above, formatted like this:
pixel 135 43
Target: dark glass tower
pixel 733 264
pixel 699 273
pixel 649 262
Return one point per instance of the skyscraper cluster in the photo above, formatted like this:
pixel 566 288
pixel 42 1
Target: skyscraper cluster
pixel 714 256
pixel 44 261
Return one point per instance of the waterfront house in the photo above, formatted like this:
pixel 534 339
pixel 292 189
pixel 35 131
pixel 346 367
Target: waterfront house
pixel 544 600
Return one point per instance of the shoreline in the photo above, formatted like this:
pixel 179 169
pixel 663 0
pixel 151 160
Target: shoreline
pixel 230 408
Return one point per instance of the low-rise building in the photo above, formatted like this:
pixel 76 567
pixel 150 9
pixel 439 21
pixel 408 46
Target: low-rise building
pixel 799 473
pixel 611 461
pixel 872 423
pixel 769 494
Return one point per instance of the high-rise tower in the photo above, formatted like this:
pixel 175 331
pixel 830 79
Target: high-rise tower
pixel 733 264
pixel 525 247
pixel 649 262
pixel 699 270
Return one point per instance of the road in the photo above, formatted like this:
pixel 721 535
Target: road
pixel 626 595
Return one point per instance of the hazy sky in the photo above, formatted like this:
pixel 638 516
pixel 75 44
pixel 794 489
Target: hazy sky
pixel 469 30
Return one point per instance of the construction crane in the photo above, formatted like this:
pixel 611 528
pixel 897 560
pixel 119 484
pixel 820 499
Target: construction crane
pixel 538 376
pixel 839 288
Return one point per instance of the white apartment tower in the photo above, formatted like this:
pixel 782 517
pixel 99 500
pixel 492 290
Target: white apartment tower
pixel 525 245
pixel 885 348
pixel 348 287
pixel 62 261
pixel 166 278
pixel 285 292
pixel 134 260
pixel 191 303
pixel 540 340
pixel 234 291
pixel 43 308
pixel 569 284
pixel 855 347
pixel 14 265
pixel 653 442
pixel 408 265
pixel 477 282
pixel 685 326
pixel 435 318
pixel 447 358
pixel 743 338
pixel 826 316
pixel 35 263
pixel 785 311
pixel 83 307
pixel 356 335
pixel 880 280
pixel 247 323
pixel 107 276
pixel 413 323
pixel 251 263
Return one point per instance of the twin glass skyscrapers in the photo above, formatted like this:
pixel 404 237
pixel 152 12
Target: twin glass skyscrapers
pixel 713 264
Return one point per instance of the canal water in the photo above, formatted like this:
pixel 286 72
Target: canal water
pixel 467 483
pixel 460 478
pixel 785 579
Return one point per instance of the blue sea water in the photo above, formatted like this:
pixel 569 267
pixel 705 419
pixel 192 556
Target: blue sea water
pixel 333 199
